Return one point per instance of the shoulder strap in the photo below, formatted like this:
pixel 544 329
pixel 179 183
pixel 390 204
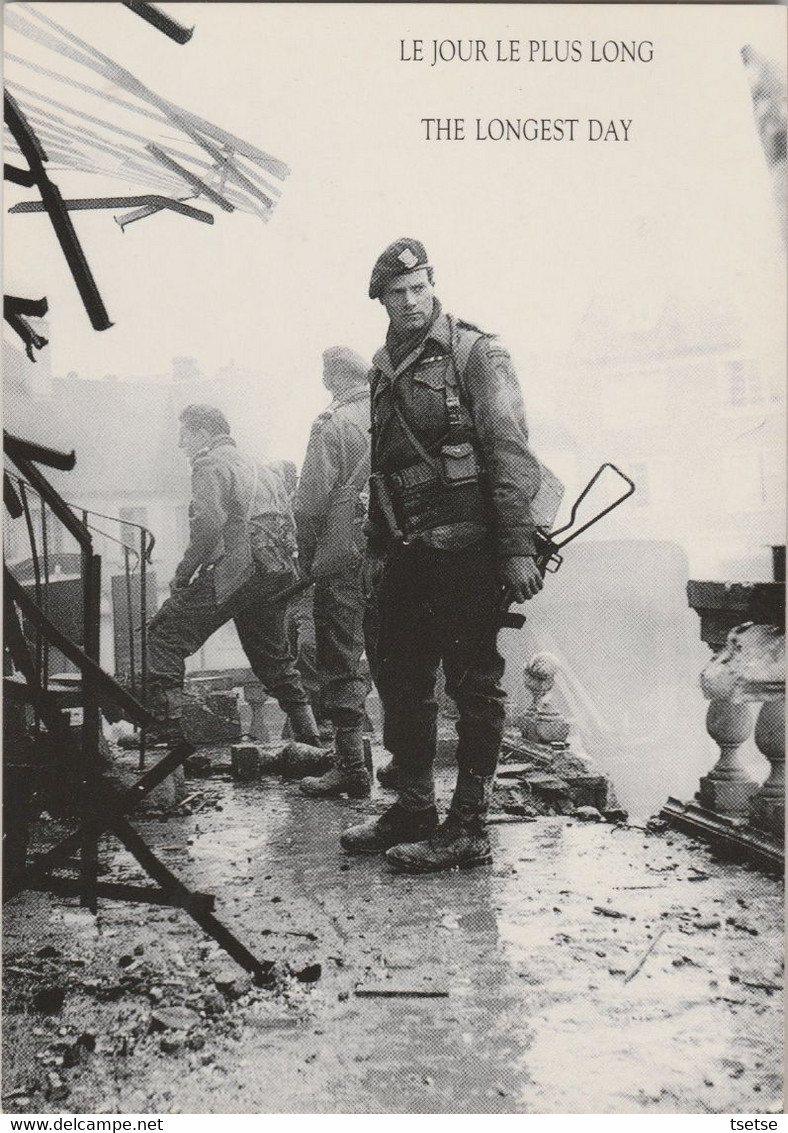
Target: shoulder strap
pixel 416 443
pixel 462 340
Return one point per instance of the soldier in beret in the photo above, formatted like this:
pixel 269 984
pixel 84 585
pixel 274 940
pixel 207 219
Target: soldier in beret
pixel 337 461
pixel 450 541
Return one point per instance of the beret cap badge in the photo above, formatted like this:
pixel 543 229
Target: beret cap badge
pixel 403 256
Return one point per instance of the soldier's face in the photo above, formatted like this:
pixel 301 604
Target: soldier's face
pixel 409 300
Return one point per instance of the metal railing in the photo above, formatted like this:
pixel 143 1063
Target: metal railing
pixel 99 810
pixel 40 522
pixel 22 608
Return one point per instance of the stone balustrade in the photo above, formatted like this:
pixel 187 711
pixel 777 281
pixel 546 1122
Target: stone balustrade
pixel 749 669
pixel 767 808
pixel 744 625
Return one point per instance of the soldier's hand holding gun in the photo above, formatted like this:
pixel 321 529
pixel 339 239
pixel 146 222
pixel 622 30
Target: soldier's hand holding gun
pixel 521 578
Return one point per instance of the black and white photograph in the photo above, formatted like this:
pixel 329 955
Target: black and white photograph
pixel 394 559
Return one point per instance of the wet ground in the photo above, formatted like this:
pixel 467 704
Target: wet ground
pixel 593 968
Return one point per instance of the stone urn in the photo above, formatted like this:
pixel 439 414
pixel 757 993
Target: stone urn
pixel 543 725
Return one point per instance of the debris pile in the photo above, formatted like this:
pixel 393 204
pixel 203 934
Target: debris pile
pixel 536 780
pixel 213 717
pixel 73 1008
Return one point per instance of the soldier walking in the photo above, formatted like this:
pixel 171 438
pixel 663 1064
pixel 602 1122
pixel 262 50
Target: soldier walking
pixel 330 509
pixel 241 554
pixel 450 542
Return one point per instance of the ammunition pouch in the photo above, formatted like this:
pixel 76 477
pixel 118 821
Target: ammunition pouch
pixel 444 487
pixel 439 492
pixel 459 464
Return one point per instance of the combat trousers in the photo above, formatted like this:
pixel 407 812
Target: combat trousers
pixel 189 617
pixel 301 634
pixel 339 639
pixel 432 607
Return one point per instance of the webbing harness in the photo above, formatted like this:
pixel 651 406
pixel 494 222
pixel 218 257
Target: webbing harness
pixel 460 347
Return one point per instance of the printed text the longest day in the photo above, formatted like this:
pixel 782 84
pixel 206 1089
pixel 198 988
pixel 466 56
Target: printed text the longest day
pixel 527 130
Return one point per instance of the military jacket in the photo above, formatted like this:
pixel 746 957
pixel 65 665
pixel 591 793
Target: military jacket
pixel 222 512
pixel 338 449
pixel 490 417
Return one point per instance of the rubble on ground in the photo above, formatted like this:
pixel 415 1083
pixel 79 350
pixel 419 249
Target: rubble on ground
pixel 581 923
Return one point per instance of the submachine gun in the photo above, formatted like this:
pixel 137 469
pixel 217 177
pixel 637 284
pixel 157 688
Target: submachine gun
pixel 549 544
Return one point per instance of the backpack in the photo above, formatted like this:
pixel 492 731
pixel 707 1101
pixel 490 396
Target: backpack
pixel 464 336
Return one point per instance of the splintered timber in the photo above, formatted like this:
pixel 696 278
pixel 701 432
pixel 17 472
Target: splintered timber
pixel 526 51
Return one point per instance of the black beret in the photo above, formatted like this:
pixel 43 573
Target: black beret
pixel 399 258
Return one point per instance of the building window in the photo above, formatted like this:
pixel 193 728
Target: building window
pixel 744 386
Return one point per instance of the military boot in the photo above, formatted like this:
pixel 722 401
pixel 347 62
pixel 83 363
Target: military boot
pixel 167 729
pixel 393 826
pixel 303 725
pixel 349 776
pixel 460 841
pixel 325 730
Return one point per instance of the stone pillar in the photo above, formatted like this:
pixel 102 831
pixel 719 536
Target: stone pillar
pixel 767 809
pixel 750 669
pixel 255 697
pixel 727 789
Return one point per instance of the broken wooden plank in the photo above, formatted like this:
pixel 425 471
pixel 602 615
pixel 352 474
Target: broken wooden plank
pixel 386 990
pixel 514 770
pixel 506 819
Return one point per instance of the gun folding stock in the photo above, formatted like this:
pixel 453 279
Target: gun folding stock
pixel 557 544
pixel 548 546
